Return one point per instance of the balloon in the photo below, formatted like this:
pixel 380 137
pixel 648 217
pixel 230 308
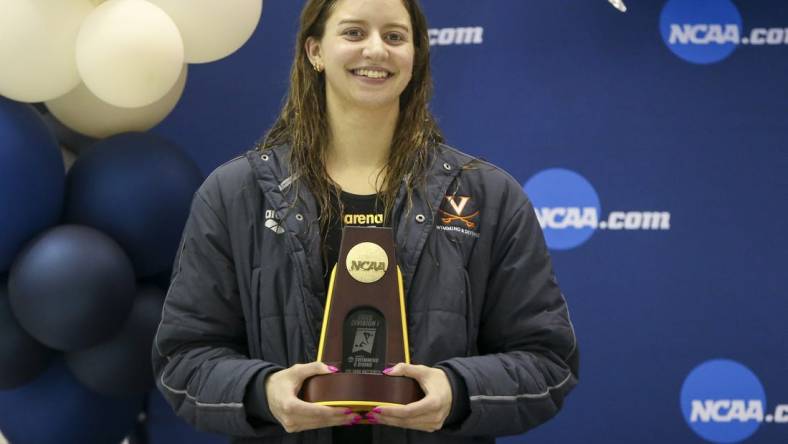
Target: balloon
pixel 129 53
pixel 31 178
pixel 137 188
pixel 122 366
pixel 22 358
pixel 37 48
pixel 56 409
pixel 72 287
pixel 213 29
pixel 82 111
pixel 66 137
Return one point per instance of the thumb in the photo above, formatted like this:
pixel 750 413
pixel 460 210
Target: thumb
pixel 315 368
pixel 401 369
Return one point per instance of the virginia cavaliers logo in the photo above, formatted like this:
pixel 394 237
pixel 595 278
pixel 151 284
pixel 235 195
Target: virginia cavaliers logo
pixel 458 204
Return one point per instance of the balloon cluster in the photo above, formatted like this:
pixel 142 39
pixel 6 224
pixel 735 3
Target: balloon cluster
pixel 107 67
pixel 82 258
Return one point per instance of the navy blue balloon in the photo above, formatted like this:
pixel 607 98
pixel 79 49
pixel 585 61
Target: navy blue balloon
pixel 121 365
pixel 31 178
pixel 137 188
pixel 56 409
pixel 22 358
pixel 72 287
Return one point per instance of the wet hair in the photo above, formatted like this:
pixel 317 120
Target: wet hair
pixel 303 120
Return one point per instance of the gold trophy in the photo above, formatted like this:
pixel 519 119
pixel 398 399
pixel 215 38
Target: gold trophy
pixel 364 327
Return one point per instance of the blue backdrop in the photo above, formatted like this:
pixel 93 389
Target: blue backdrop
pixel 654 147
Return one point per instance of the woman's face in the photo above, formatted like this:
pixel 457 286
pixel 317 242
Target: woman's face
pixel 367 51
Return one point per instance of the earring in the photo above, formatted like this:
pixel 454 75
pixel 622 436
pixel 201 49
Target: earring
pixel 317 66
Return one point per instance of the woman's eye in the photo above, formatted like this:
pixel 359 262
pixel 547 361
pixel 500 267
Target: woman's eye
pixel 396 37
pixel 354 33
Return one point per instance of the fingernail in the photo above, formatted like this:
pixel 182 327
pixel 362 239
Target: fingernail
pixel 387 370
pixel 372 420
pixel 348 411
pixel 377 410
pixel 332 369
pixel 357 419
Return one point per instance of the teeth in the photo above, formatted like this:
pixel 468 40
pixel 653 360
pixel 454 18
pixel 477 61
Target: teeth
pixel 371 74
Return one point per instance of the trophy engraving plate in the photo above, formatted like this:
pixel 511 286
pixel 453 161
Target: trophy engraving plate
pixel 364 345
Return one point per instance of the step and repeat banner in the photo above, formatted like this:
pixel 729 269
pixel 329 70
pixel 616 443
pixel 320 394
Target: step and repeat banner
pixel 653 144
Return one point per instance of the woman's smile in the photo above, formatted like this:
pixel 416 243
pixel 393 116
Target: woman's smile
pixel 372 76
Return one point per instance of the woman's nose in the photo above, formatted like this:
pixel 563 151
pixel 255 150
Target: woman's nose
pixel 375 48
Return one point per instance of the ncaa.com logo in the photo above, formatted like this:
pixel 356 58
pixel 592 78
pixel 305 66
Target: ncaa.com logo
pixel 723 401
pixel 708 31
pixel 468 35
pixel 569 211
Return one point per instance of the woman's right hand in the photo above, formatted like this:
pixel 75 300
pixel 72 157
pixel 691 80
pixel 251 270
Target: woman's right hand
pixel 295 415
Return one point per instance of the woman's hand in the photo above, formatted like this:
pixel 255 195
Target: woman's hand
pixel 295 415
pixel 426 414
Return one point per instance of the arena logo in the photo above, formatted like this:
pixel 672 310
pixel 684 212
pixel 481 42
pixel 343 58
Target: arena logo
pixel 473 35
pixel 708 31
pixel 723 401
pixel 569 210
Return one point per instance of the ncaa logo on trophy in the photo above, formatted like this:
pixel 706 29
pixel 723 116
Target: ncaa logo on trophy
pixel 367 262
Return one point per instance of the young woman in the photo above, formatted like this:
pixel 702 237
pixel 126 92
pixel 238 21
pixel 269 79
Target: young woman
pixel 490 337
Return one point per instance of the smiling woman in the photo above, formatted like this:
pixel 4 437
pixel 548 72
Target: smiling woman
pixel 367 51
pixel 489 336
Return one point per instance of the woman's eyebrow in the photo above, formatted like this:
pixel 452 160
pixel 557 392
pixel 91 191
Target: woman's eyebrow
pixel 363 22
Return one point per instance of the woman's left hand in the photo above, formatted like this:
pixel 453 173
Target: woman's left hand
pixel 426 414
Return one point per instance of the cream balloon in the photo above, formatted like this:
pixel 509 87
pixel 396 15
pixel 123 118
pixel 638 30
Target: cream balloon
pixel 213 29
pixel 129 53
pixel 85 113
pixel 37 42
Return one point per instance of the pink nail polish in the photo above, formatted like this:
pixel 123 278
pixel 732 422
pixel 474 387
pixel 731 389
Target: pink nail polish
pixel 332 369
pixel 348 411
pixel 357 419
pixel 372 420
pixel 387 370
pixel 377 410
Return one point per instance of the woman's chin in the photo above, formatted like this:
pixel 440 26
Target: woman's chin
pixel 374 101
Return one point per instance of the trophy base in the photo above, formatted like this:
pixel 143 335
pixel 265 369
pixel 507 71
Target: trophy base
pixel 360 392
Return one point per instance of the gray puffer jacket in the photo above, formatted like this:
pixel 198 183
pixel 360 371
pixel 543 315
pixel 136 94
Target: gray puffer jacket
pixel 482 299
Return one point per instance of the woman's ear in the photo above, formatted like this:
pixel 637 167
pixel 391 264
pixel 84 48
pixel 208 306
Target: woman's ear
pixel 313 52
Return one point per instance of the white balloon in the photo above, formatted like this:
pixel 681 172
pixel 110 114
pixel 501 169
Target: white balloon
pixel 37 41
pixel 213 29
pixel 85 113
pixel 129 53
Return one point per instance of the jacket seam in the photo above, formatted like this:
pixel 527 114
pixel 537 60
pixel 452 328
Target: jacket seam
pixel 192 398
pixel 543 394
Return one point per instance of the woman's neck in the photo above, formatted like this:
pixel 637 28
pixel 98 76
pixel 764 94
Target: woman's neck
pixel 360 146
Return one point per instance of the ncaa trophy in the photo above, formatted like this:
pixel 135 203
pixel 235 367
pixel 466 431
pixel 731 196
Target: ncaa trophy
pixel 364 327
